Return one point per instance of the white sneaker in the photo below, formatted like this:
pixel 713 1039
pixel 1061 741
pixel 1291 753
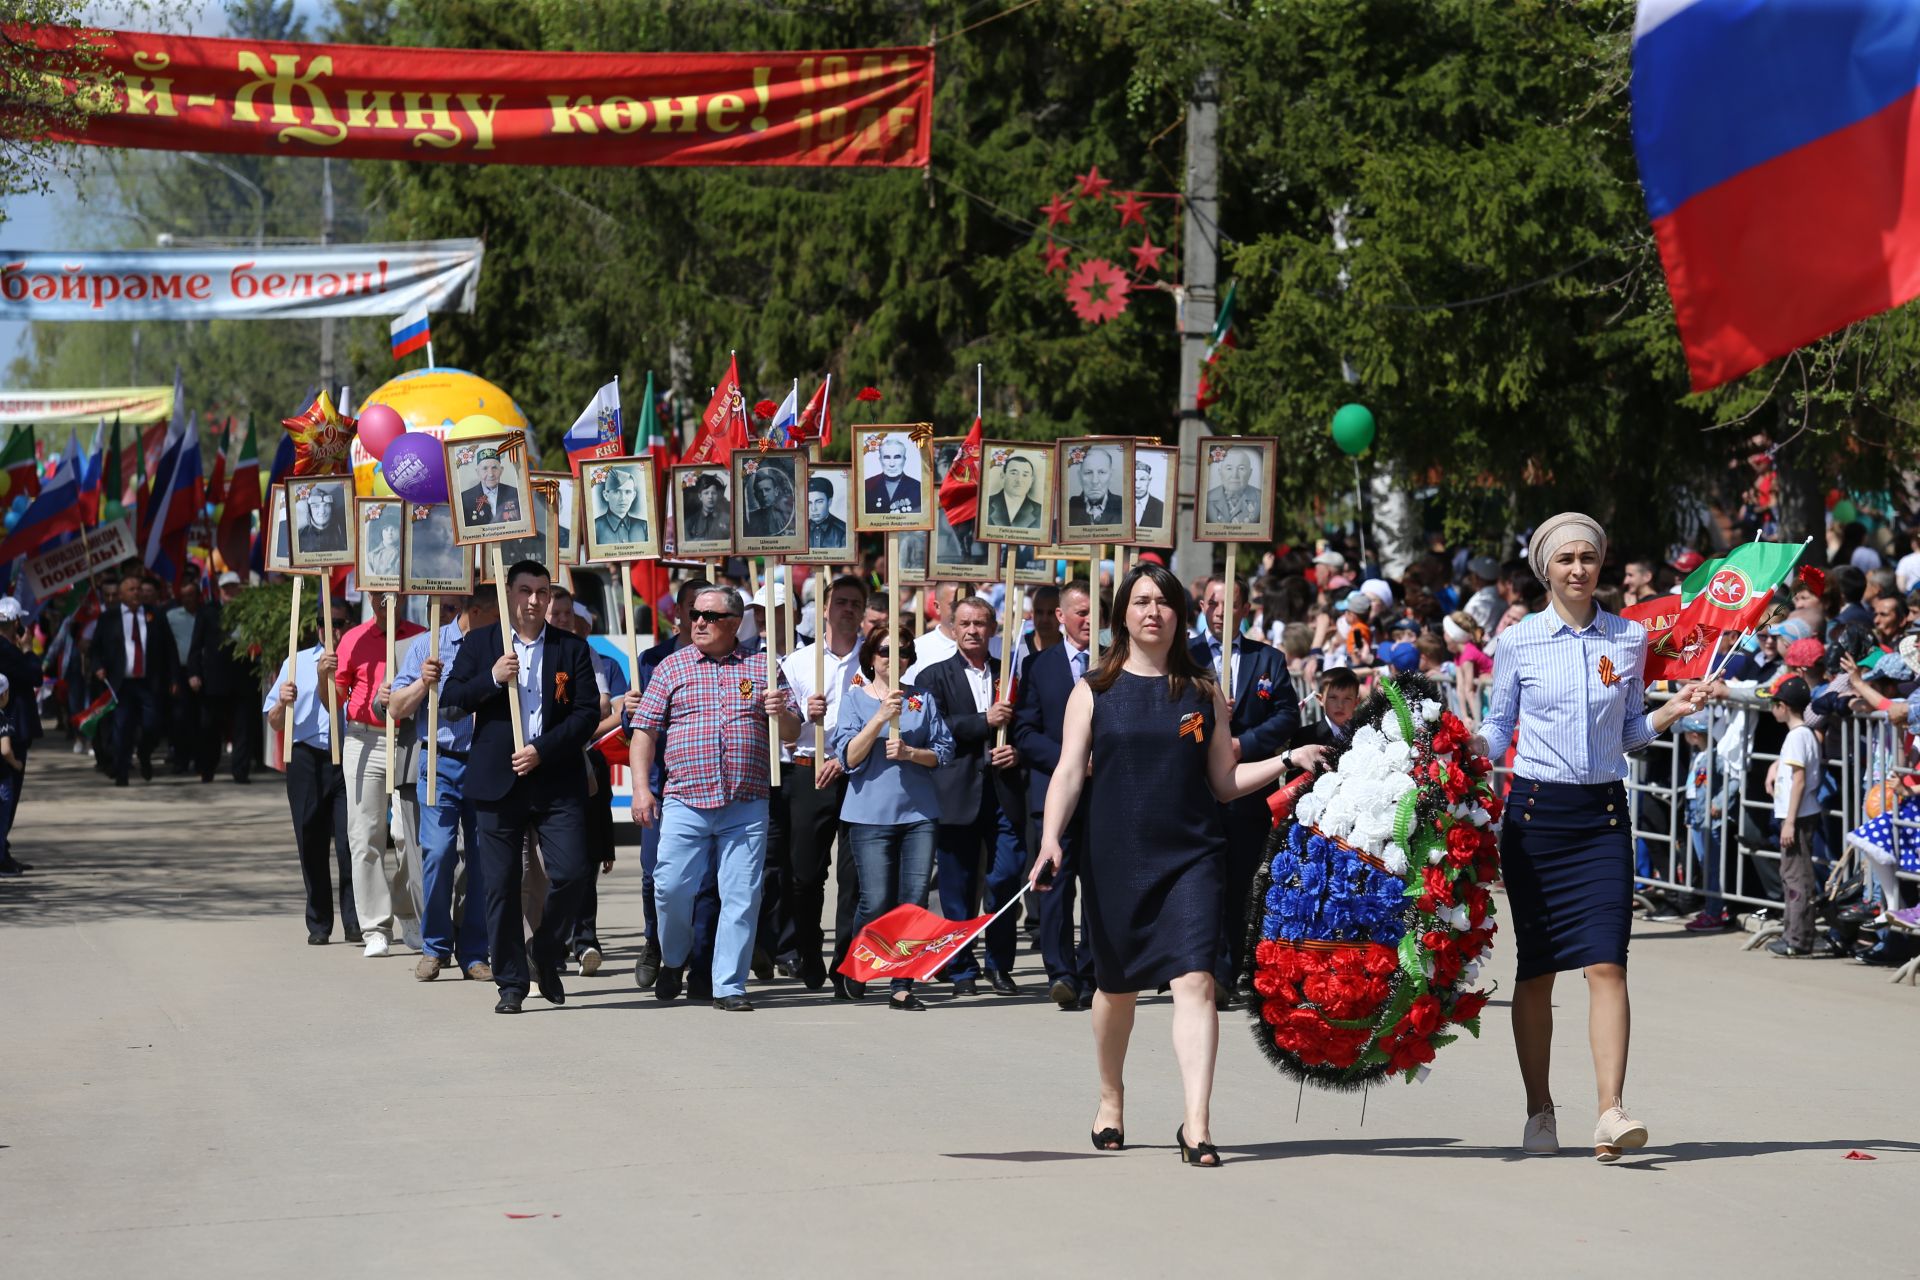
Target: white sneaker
pixel 1542 1137
pixel 377 944
pixel 590 962
pixel 79 747
pixel 410 933
pixel 1617 1132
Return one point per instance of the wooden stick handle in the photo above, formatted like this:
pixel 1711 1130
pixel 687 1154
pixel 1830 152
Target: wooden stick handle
pixel 819 665
pixel 293 672
pixel 625 570
pixel 1093 607
pixel 894 614
pixel 506 645
pixel 773 678
pixel 1226 621
pixel 433 703
pixel 1009 623
pixel 393 763
pixel 325 604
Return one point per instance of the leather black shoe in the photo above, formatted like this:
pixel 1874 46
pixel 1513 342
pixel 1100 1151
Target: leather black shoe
pixel 845 990
pixel 733 1004
pixel 906 1002
pixel 548 980
pixel 813 972
pixel 1002 984
pixel 1063 993
pixel 667 985
pixel 507 1004
pixel 699 983
pixel 316 939
pixel 146 771
pixel 354 935
pixel 647 971
pixel 965 987
pixel 762 965
pixel 1086 1000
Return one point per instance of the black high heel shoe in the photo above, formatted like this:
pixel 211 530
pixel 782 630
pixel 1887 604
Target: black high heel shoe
pixel 909 1003
pixel 1196 1155
pixel 1109 1135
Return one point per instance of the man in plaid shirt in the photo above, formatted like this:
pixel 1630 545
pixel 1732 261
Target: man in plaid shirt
pixel 717 703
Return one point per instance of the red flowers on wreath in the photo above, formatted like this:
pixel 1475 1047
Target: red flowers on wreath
pixel 1468 1004
pixel 1439 889
pixel 1494 806
pixel 1450 736
pixel 1463 841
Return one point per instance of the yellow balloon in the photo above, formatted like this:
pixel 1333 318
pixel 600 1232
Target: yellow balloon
pixel 477 424
pixel 381 489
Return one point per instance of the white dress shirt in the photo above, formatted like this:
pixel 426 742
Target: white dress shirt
pixel 935 646
pixel 533 657
pixel 798 668
pixel 137 617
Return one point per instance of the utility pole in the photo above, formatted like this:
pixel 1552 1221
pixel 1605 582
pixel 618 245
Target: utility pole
pixel 326 233
pixel 1199 295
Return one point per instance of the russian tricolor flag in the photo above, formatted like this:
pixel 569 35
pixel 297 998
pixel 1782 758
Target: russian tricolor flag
pixel 411 333
pixel 1780 153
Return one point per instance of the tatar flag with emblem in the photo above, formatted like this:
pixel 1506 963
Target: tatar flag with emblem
pixel 960 490
pixel 1674 652
pixel 908 942
pixel 1734 592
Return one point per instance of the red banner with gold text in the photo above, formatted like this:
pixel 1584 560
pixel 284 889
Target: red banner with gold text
pixel 849 107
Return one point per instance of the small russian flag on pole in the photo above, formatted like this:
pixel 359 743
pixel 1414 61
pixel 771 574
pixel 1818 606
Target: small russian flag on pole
pixel 411 333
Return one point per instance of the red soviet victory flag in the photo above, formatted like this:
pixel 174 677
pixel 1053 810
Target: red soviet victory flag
pixel 723 427
pixel 1681 652
pixel 960 490
pixel 909 942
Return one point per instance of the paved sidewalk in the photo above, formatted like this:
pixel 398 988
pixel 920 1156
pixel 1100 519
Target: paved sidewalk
pixel 188 1089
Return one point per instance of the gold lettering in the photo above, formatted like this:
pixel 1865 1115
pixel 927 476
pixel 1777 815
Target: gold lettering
pixel 719 107
pixel 434 126
pixel 482 119
pixel 668 110
pixel 325 128
pixel 622 115
pixel 149 97
pixel 574 118
pixel 371 108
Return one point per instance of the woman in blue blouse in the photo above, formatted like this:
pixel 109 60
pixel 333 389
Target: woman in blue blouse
pixel 1568 680
pixel 891 807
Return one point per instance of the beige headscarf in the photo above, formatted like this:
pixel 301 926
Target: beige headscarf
pixel 1556 532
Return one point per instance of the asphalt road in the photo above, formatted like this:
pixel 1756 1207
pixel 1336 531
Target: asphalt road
pixel 187 1089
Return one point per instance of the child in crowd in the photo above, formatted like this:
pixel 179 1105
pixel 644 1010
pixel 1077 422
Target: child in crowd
pixel 1796 810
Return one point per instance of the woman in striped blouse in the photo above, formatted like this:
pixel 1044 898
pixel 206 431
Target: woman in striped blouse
pixel 1568 691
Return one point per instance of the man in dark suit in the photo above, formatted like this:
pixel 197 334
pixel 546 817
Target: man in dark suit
pixel 133 653
pixel 1148 511
pixel 226 685
pixel 893 491
pixel 1096 503
pixel 490 502
pixel 1265 717
pixel 1040 710
pixel 824 529
pixel 541 787
pixel 980 796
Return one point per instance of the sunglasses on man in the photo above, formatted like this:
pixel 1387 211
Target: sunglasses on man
pixel 711 615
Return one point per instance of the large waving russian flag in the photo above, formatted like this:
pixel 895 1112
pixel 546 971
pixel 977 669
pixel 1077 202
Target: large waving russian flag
pixel 1779 146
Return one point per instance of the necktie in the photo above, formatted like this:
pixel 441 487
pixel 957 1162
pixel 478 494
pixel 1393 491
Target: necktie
pixel 139 651
pixel 1080 665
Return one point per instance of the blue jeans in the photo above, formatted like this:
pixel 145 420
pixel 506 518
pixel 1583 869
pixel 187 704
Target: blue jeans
pixel 896 863
pixel 1706 852
pixel 729 843
pixel 449 816
pixel 11 780
pixel 706 904
pixel 959 875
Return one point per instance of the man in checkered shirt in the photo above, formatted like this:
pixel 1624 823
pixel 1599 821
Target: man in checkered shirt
pixel 717 703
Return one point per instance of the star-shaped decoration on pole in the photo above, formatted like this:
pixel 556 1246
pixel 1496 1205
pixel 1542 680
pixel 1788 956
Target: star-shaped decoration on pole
pixel 1098 291
pixel 1132 209
pixel 322 437
pixel 1092 185
pixel 1059 212
pixel 1146 254
pixel 1056 256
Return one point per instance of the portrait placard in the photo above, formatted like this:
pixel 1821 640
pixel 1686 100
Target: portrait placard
pixel 620 522
pixel 767 485
pixel 1016 491
pixel 567 529
pixel 1156 491
pixel 703 495
pixel 980 563
pixel 913 559
pixel 431 561
pixel 829 489
pixel 320 522
pixel 1094 476
pixel 897 482
pixel 487 476
pixel 541 546
pixel 279 541
pixel 957 553
pixel 378 568
pixel 1233 489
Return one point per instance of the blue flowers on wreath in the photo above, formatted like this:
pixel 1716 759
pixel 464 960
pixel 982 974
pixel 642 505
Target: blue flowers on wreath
pixel 1323 891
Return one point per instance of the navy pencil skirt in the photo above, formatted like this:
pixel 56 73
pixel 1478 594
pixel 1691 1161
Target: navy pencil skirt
pixel 1566 853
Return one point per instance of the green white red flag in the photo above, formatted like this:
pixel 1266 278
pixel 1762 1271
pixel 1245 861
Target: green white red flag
pixel 1735 592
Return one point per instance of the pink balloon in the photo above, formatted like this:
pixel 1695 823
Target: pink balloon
pixel 380 426
pixel 415 468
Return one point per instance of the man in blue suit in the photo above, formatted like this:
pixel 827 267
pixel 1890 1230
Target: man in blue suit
pixel 541 787
pixel 1039 711
pixel 1266 715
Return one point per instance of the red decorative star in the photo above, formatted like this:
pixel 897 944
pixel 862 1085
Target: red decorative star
pixel 1059 212
pixel 1092 185
pixel 1098 291
pixel 1146 254
pixel 1055 255
pixel 1132 209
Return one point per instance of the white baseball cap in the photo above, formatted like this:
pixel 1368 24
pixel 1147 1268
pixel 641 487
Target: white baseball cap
pixel 11 609
pixel 581 611
pixel 779 596
pixel 229 579
pixel 1331 560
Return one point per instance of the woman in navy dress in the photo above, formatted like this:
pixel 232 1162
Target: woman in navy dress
pixel 1149 728
pixel 1569 680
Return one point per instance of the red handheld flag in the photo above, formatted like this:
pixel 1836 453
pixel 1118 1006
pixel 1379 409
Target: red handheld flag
pixel 723 427
pixel 613 745
pixel 1675 650
pixel 960 490
pixel 908 942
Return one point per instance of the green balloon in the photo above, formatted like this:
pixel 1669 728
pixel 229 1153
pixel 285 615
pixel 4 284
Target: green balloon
pixel 1844 512
pixel 1353 428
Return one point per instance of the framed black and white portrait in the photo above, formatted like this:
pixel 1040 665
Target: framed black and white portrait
pixel 621 523
pixel 378 568
pixel 488 479
pixel 703 514
pixel 1155 490
pixel 1233 489
pixel 567 527
pixel 432 562
pixel 1016 493
pixel 769 518
pixel 898 488
pixel 829 529
pixel 1095 478
pixel 320 521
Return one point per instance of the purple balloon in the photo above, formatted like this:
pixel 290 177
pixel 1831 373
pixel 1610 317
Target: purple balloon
pixel 416 469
